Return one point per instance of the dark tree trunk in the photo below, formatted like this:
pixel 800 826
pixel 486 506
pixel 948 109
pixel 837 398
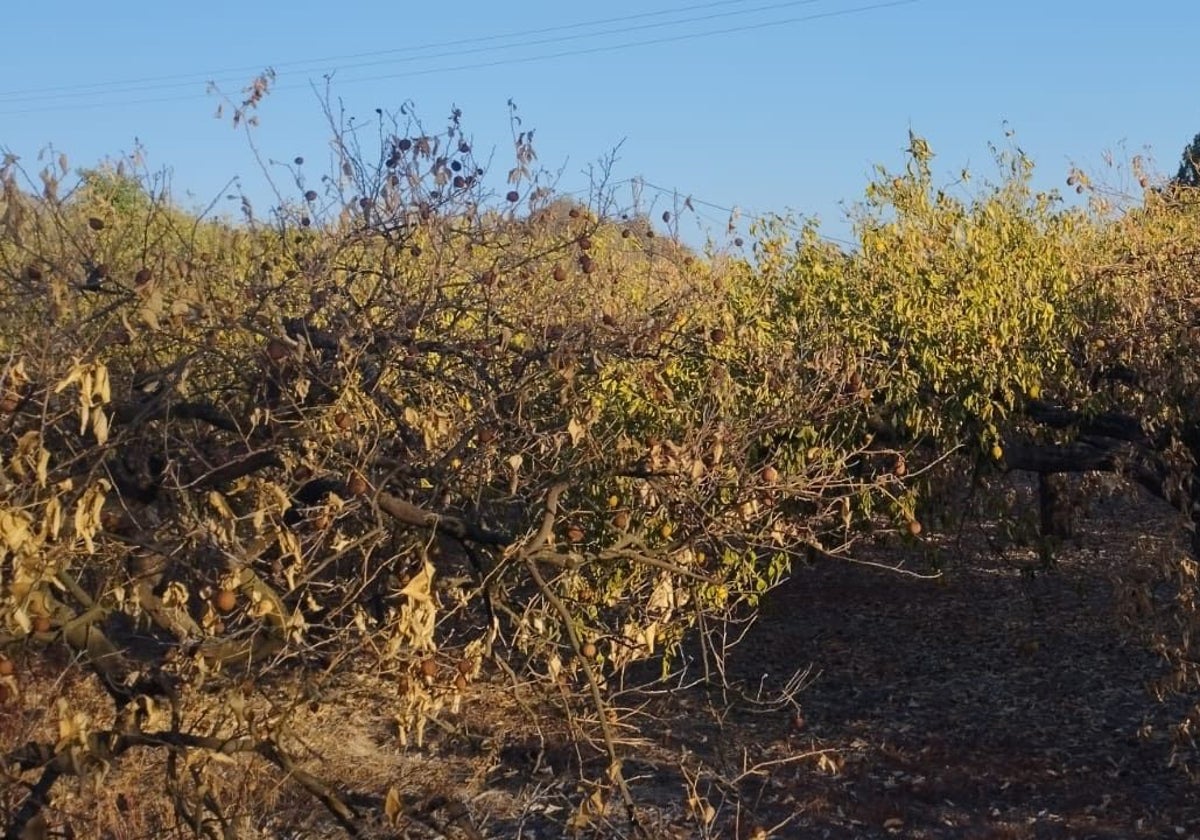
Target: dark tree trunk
pixel 1054 501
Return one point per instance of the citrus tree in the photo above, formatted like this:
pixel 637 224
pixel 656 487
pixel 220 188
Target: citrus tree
pixel 1029 336
pixel 405 423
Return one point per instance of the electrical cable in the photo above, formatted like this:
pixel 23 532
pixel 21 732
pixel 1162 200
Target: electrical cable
pixel 510 61
pixel 177 80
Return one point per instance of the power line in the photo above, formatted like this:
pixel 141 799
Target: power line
pixel 691 201
pixel 318 66
pixel 731 211
pixel 524 59
pixel 187 79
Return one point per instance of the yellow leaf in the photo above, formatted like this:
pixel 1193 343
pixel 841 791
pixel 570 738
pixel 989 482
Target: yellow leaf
pixel 175 595
pixel 17 373
pixel 52 518
pixel 22 620
pixel 282 500
pixel 28 444
pixel 419 587
pixel 289 543
pixel 100 387
pixel 14 529
pixel 87 514
pixel 218 503
pixel 100 426
pixel 43 466
pixel 73 376
pixel 392 806
pixel 576 430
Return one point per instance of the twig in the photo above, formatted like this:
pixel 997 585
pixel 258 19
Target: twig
pixel 873 564
pixel 452 526
pixel 758 769
pixel 895 569
pixel 658 563
pixel 559 607
pixel 38 798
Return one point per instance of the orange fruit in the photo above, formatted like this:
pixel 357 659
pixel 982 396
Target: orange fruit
pixel 357 485
pixel 225 600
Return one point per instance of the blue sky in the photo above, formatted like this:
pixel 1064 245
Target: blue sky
pixel 789 113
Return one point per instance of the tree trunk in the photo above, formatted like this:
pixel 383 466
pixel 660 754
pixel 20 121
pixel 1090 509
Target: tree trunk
pixel 1054 501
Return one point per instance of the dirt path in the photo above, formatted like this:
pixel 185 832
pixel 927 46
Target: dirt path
pixel 992 706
